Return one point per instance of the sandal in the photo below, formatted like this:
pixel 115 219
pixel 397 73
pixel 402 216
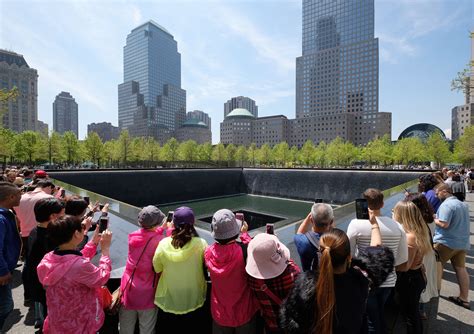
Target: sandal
pixel 458 301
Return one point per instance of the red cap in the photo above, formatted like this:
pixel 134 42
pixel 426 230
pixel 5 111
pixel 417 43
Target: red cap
pixel 41 173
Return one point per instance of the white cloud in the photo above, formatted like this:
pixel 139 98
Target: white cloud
pixel 448 133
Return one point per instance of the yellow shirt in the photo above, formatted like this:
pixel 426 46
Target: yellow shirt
pixel 181 287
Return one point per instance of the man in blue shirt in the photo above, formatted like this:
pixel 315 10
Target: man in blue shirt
pixel 451 239
pixel 10 245
pixel 318 221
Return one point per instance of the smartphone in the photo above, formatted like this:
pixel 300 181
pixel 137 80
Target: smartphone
pixel 101 206
pixel 103 224
pixel 239 216
pixel 169 218
pixel 63 193
pixel 89 213
pixel 362 208
pixel 87 199
pixel 270 228
pixel 318 200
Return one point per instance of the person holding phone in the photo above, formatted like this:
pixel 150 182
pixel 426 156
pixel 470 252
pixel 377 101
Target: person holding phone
pixel 394 237
pixel 139 281
pixel 71 281
pixel 316 223
pixel 225 260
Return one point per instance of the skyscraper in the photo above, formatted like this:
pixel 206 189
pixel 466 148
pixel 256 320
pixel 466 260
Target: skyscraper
pixel 337 75
pixel 20 114
pixel 65 114
pixel 241 102
pixel 151 100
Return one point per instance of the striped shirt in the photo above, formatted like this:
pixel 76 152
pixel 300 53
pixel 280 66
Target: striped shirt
pixel 393 237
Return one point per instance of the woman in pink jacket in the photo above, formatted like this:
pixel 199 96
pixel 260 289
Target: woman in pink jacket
pixel 233 305
pixel 71 281
pixel 139 280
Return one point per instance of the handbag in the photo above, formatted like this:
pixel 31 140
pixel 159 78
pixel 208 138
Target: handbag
pixel 105 297
pixel 116 303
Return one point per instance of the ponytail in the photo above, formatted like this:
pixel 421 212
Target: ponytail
pixel 335 250
pixel 325 295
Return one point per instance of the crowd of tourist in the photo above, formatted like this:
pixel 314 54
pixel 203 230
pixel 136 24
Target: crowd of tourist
pixel 251 285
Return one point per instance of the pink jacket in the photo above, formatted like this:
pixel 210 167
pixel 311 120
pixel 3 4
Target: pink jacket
pixel 71 283
pixel 140 293
pixel 232 302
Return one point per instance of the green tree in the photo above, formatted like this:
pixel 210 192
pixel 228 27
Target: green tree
pixel 94 146
pixel 320 154
pixel 218 153
pixel 437 149
pixel 54 147
pixel 306 154
pixel 230 151
pixel 252 154
pixel 151 150
pixel 70 146
pixel 464 147
pixel 409 150
pixel 124 142
pixel 111 152
pixel 294 153
pixel 281 153
pixel 378 151
pixel 188 151
pixel 241 155
pixel 462 81
pixel 7 144
pixel 340 153
pixel 205 152
pixel 28 145
pixel 265 154
pixel 5 96
pixel 170 150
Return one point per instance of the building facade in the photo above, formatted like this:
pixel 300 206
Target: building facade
pixel 337 74
pixel 199 115
pixel 194 129
pixel 461 117
pixel 20 114
pixel 65 114
pixel 105 130
pixel 151 94
pixel 42 127
pixel 241 102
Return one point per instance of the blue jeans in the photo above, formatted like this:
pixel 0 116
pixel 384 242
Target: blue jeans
pixel 375 309
pixel 6 303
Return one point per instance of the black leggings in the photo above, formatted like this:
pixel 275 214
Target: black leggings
pixel 409 286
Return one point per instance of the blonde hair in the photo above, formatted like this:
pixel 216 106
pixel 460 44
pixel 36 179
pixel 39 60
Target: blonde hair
pixel 410 217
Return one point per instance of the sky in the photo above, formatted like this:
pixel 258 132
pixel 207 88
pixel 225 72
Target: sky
pixel 230 48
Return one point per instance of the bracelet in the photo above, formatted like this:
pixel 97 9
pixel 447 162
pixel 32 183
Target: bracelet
pixel 375 226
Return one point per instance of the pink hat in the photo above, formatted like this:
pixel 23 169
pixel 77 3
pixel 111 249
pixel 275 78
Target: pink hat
pixel 267 257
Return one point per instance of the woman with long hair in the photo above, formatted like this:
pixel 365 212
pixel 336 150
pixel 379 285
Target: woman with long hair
pixel 429 260
pixel 333 298
pixel 181 290
pixel 411 276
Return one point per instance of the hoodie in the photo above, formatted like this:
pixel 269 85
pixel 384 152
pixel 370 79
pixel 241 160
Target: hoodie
pixel 140 292
pixel 232 302
pixel 71 282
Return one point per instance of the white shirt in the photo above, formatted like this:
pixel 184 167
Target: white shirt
pixel 393 237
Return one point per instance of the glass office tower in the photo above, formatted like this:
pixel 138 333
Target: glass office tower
pixel 152 81
pixel 338 71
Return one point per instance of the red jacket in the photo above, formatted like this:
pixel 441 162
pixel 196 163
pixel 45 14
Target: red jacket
pixel 232 301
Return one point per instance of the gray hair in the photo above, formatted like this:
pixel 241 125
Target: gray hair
pixel 322 214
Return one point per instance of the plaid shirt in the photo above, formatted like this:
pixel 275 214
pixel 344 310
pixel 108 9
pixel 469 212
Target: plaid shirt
pixel 281 287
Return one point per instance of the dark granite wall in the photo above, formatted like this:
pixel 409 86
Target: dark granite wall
pixel 142 187
pixel 336 186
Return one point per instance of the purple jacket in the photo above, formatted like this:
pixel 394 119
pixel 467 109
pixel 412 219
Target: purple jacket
pixel 140 293
pixel 71 282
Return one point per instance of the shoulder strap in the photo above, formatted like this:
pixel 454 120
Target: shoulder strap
pixel 244 250
pixel 130 280
pixel 312 239
pixel 270 294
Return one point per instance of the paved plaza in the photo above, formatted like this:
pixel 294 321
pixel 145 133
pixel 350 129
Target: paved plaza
pixel 443 316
